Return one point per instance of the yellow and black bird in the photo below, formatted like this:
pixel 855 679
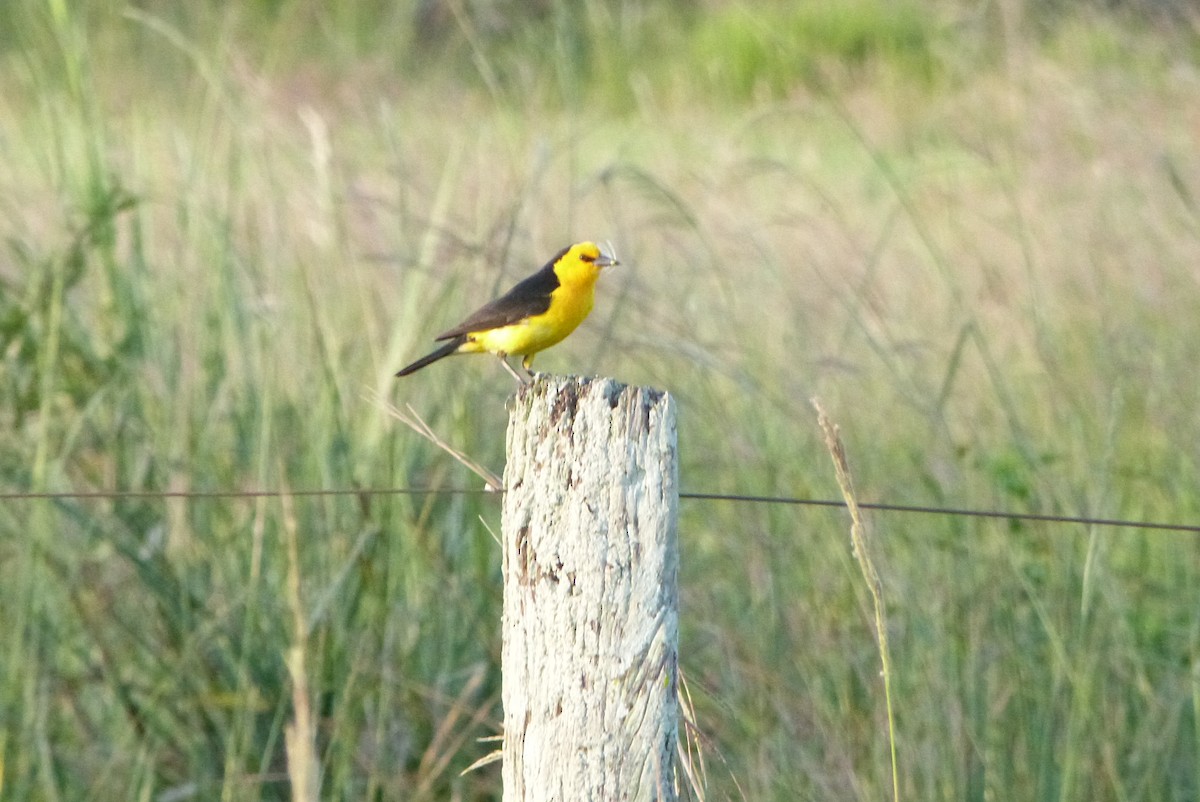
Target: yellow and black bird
pixel 534 315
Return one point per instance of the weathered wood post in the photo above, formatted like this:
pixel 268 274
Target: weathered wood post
pixel 591 614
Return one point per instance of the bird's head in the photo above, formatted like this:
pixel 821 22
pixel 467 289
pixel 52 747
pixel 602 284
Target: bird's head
pixel 595 255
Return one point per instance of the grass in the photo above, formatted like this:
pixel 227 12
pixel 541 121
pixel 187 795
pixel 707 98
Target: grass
pixel 218 245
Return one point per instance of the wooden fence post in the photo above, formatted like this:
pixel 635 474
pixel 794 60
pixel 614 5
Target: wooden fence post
pixel 591 615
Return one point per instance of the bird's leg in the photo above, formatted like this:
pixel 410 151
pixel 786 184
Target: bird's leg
pixel 504 361
pixel 527 366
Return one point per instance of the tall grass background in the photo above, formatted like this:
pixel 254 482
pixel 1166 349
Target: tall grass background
pixel 971 229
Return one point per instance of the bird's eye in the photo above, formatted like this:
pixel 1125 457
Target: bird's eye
pixel 588 257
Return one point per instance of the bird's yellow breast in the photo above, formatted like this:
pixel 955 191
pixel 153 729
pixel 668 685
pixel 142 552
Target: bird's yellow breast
pixel 569 305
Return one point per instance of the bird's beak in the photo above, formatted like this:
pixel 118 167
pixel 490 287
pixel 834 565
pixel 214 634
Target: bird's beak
pixel 604 260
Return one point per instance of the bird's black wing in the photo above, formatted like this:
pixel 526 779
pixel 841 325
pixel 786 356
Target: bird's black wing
pixel 529 297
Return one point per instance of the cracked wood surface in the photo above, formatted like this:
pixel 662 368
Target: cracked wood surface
pixel 590 601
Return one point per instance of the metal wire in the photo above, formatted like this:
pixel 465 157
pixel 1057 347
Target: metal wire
pixel 1081 520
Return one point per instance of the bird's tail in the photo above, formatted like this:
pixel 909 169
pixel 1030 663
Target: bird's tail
pixel 446 350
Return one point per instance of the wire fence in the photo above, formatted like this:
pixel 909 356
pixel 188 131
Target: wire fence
pixel 1081 520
